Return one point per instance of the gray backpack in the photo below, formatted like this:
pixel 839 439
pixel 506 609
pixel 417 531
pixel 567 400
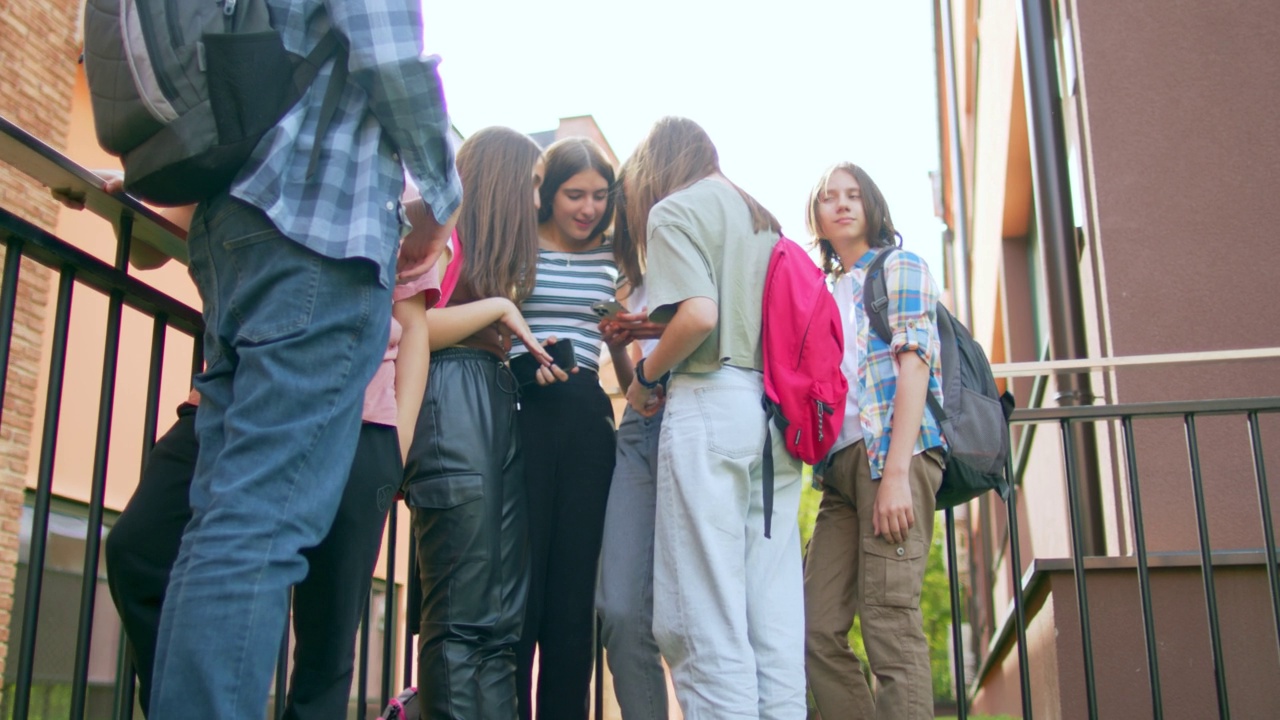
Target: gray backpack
pixel 183 90
pixel 974 414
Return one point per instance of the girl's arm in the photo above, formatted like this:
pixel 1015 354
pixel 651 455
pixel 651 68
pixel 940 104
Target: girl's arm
pixel 693 322
pixel 893 515
pixel 912 295
pixel 451 325
pixel 413 362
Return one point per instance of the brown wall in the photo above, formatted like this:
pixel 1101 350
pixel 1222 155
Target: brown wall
pixel 1180 104
pixel 38 52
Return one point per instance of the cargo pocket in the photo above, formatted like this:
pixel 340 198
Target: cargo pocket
pixel 892 574
pixel 449 518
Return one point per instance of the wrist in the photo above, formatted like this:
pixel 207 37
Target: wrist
pixel 644 379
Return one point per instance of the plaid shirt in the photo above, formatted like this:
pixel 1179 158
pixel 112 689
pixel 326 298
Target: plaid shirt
pixel 913 296
pixel 391 113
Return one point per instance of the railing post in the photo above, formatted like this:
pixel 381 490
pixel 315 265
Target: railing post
pixel 1019 612
pixel 1206 563
pixel 1144 573
pixel 44 491
pixel 1077 561
pixel 957 638
pixel 1268 530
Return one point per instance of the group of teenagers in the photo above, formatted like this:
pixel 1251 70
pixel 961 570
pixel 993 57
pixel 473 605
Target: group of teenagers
pixel 339 377
pixel 531 514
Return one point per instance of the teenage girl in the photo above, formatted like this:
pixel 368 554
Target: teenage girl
pixel 871 539
pixel 465 472
pixel 624 597
pixel 567 430
pixel 728 611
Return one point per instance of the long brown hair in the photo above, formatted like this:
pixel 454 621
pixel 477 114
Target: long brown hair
pixel 566 158
pixel 629 256
pixel 880 230
pixel 676 153
pixel 498 224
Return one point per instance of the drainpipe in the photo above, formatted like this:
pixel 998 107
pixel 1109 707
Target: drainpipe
pixel 1056 223
pixel 959 205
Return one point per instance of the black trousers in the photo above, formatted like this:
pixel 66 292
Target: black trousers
pixel 327 605
pixel 465 485
pixel 568 434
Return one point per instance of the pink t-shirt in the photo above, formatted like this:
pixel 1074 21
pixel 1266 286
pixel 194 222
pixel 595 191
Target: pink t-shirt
pixel 380 396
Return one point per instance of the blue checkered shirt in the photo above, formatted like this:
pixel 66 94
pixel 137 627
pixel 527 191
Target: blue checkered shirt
pixel 913 299
pixel 391 113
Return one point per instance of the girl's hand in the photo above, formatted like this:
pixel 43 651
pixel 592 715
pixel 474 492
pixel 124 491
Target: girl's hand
pixel 639 326
pixel 646 401
pixel 548 374
pixel 514 322
pixel 614 335
pixel 893 514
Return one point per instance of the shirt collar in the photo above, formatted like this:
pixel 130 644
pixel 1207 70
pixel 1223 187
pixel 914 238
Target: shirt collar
pixel 866 258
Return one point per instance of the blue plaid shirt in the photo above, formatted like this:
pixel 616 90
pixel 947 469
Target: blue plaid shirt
pixel 913 299
pixel 391 114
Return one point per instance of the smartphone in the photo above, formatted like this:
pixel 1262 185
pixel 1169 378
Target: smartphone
pixel 525 367
pixel 607 309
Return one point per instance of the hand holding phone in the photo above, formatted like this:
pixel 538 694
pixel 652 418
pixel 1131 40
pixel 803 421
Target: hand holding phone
pixel 525 367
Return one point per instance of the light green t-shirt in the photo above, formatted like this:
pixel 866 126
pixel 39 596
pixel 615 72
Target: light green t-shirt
pixel 701 244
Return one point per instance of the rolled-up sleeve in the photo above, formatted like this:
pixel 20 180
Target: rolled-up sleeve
pixel 913 300
pixel 384 38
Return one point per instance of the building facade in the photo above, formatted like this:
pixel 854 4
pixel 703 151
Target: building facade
pixel 1107 168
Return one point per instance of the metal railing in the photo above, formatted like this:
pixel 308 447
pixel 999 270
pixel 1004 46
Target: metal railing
pixel 1025 585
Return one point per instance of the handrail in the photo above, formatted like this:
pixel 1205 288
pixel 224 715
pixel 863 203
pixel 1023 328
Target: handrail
pixel 46 165
pixel 1063 367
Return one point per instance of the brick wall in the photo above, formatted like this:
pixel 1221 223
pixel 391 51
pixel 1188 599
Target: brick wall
pixel 39 47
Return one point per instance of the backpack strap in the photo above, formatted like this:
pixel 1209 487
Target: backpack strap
pixel 771 414
pixel 330 44
pixel 875 296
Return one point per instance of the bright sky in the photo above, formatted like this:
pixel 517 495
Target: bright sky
pixel 783 88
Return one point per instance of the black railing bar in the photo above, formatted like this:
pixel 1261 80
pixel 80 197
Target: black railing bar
pixel 1225 406
pixel 53 252
pixel 282 664
pixel 1268 529
pixel 8 306
pixel 1019 611
pixel 1023 454
pixel 412 607
pixel 97 493
pixel 362 689
pixel 957 638
pixel 155 369
pixel 388 608
pixel 122 699
pixel 31 156
pixel 1206 569
pixel 44 492
pixel 1077 561
pixel 1144 573
pixel 1089 365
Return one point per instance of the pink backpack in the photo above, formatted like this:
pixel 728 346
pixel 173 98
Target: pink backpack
pixel 802 339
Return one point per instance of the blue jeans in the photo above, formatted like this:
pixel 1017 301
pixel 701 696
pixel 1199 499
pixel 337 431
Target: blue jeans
pixel 291 339
pixel 624 598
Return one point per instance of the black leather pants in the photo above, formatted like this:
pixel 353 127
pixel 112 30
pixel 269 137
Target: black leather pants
pixel 466 489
